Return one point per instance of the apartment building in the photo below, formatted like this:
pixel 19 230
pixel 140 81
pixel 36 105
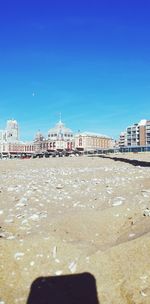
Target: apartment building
pixel 137 134
pixel 133 136
pixel 147 133
pixel 122 139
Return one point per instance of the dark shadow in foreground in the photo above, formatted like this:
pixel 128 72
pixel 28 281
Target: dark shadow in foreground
pixel 133 162
pixel 65 289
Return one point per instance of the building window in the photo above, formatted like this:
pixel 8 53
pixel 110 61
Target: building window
pixel 80 142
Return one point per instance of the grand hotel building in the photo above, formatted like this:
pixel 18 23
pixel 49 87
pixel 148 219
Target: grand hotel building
pixel 59 138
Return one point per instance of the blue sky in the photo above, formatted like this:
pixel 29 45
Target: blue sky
pixel 89 60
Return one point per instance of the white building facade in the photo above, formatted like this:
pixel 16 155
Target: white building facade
pixel 59 138
pixel 10 145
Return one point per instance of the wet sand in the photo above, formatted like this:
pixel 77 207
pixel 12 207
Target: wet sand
pixel 64 216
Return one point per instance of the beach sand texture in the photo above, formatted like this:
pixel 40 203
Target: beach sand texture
pixel 71 215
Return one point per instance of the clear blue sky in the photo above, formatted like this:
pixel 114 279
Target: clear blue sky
pixel 89 60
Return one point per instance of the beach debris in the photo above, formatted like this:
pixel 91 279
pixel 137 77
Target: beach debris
pixel 22 202
pixel 146 190
pixel 59 187
pixel 131 235
pixel 34 217
pixel 72 266
pixel 76 204
pixel 143 293
pixel 146 212
pixel 18 255
pixel 144 278
pixel 58 272
pixel 2 235
pixel 10 189
pixel 57 261
pixel 54 252
pixel 87 259
pixel 9 220
pixel 118 201
pixel 11 237
pixel 5 234
pixel 24 222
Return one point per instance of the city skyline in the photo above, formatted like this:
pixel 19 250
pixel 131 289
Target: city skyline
pixel 18 136
pixel 89 60
pixel 60 139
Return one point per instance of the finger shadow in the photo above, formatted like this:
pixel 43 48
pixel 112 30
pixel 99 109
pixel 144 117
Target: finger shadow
pixel 64 289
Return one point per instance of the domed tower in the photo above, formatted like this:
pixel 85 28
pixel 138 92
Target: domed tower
pixel 60 137
pixel 12 130
pixel 39 136
pixel 60 132
pixel 38 142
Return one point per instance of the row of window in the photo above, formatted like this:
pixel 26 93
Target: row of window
pixel 49 145
pixel 16 148
pixel 57 135
pixel 53 145
pixel 95 142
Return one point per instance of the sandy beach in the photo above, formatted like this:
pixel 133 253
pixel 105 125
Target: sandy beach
pixel 63 216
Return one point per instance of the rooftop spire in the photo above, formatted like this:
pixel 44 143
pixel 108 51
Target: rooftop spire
pixel 60 117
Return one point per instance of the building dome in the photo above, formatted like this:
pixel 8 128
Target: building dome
pixel 39 136
pixel 60 132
